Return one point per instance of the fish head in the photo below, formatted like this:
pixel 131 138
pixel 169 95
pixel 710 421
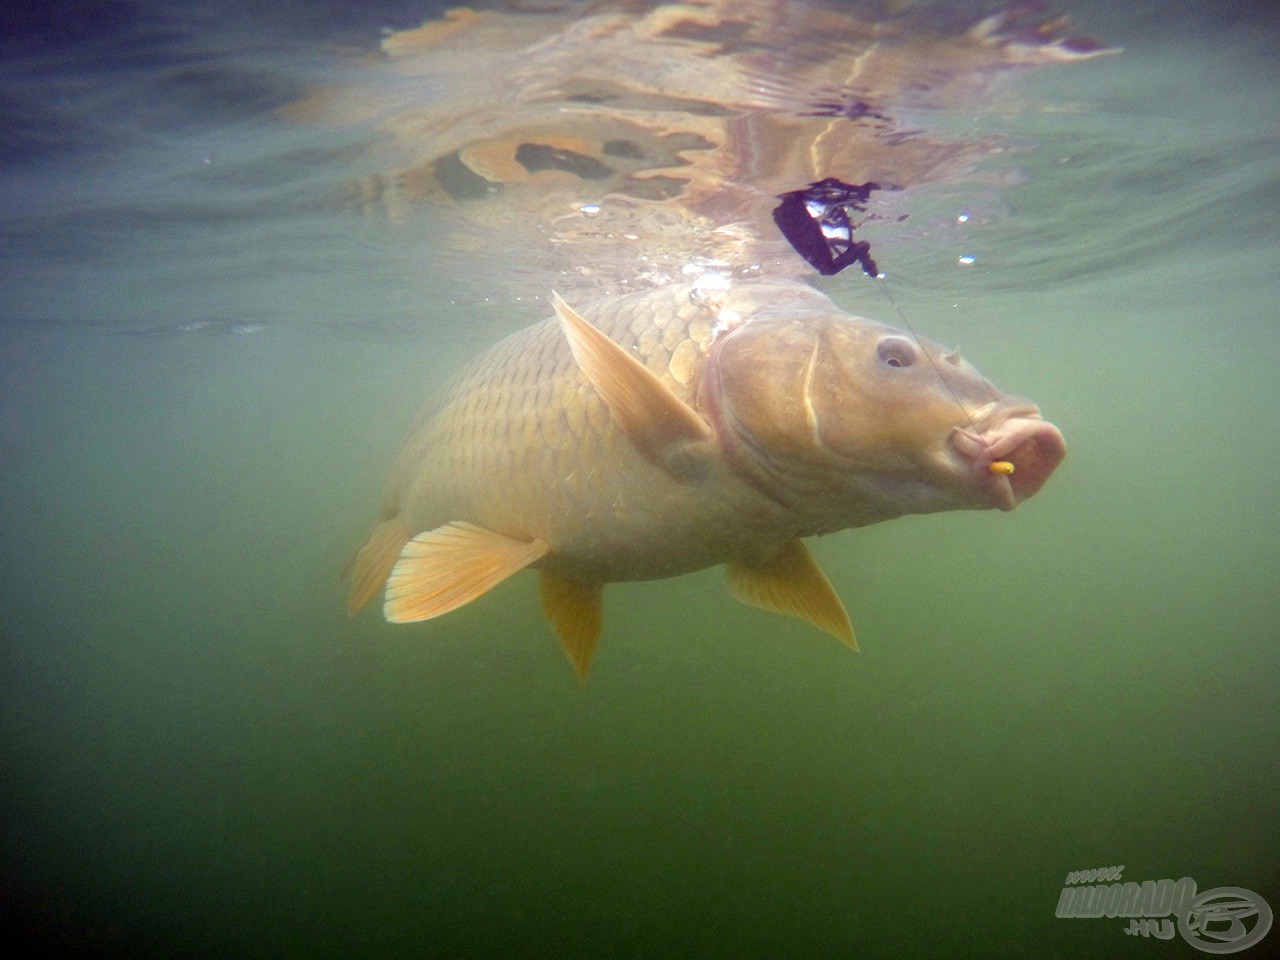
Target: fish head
pixel 865 422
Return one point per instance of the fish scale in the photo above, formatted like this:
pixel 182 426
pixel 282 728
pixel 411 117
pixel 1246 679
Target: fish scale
pixel 477 457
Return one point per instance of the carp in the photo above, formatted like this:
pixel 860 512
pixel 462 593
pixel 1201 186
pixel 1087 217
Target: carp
pixel 680 428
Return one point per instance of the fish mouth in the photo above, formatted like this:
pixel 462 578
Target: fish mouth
pixel 1014 435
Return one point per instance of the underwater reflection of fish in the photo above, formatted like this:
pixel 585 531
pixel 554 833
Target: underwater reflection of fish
pixel 675 429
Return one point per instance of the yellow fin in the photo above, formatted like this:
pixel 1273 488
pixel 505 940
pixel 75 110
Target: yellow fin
pixel 442 569
pixel 653 418
pixel 792 583
pixel 574 611
pixel 372 563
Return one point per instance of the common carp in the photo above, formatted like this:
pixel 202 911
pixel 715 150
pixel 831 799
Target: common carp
pixel 694 401
pixel 676 429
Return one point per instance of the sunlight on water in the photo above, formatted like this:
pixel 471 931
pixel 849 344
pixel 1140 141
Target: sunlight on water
pixel 209 359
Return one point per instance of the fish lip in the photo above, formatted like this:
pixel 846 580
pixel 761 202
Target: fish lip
pixel 1015 433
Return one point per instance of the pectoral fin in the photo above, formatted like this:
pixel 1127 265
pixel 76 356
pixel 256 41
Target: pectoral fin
pixel 792 583
pixel 574 611
pixel 657 421
pixel 372 564
pixel 442 569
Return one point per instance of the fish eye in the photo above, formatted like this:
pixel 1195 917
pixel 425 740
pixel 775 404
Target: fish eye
pixel 896 352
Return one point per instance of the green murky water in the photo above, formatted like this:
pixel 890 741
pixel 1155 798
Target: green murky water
pixel 200 390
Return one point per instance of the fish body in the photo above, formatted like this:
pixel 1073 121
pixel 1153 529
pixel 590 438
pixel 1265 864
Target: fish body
pixel 523 444
pixel 680 428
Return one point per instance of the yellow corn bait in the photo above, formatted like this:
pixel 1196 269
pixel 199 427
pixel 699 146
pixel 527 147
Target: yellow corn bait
pixel 1002 467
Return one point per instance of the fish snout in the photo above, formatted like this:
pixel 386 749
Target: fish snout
pixel 1012 456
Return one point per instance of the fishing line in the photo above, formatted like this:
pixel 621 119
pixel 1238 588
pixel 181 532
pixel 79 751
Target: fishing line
pixel 819 222
pixel 882 284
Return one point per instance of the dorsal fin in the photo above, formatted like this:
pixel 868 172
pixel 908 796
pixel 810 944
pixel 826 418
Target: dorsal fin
pixel 657 421
pixel 442 569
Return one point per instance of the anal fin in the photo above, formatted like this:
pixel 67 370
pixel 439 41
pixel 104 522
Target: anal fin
pixel 792 583
pixel 372 564
pixel 442 569
pixel 574 611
